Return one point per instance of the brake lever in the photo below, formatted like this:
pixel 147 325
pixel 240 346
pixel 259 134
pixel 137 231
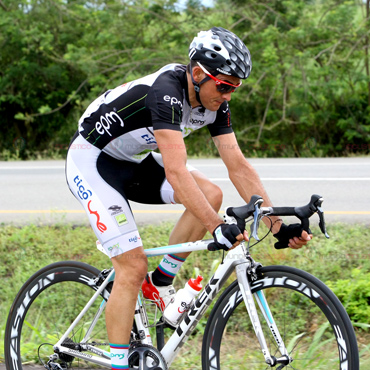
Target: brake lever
pixel 320 212
pixel 256 221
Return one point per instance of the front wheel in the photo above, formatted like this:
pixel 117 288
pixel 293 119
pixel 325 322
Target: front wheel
pixel 43 310
pixel 313 324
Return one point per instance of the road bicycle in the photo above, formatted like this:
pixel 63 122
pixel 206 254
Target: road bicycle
pixel 270 317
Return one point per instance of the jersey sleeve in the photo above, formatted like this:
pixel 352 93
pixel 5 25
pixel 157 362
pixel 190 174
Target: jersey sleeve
pixel 222 123
pixel 165 102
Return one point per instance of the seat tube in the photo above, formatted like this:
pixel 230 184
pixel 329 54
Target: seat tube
pixel 142 322
pixel 241 273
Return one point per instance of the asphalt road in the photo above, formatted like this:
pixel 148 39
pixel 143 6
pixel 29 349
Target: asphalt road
pixel 36 191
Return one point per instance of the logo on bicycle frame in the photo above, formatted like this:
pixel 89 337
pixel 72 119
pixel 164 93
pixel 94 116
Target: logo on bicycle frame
pixel 101 227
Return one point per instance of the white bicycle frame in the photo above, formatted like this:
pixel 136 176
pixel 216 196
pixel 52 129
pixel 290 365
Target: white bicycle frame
pixel 235 260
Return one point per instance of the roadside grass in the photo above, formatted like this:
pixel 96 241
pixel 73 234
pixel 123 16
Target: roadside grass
pixel 25 250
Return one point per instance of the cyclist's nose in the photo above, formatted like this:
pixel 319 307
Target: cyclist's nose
pixel 226 96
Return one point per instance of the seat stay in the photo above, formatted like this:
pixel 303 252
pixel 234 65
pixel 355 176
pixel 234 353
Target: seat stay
pixel 99 291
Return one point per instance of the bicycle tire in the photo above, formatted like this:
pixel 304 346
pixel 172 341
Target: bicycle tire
pixel 317 330
pixel 43 310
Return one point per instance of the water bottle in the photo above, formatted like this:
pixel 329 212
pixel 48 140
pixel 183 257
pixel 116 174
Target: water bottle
pixel 183 299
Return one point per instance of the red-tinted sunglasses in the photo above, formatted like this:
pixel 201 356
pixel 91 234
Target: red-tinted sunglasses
pixel 223 87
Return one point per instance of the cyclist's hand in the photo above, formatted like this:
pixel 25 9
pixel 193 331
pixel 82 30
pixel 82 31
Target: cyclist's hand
pixel 292 236
pixel 227 237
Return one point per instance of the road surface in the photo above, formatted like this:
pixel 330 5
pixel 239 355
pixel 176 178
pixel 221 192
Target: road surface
pixel 36 191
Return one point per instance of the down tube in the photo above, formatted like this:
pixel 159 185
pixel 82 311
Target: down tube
pixel 191 319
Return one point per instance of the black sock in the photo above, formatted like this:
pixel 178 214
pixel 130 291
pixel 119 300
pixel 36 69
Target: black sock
pixel 159 279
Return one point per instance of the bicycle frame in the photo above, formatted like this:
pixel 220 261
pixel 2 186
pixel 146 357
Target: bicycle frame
pixel 234 260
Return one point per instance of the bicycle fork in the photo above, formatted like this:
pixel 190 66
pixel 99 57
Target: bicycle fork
pixel 285 359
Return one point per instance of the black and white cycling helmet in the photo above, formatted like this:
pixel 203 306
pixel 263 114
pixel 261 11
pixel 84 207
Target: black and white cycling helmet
pixel 222 51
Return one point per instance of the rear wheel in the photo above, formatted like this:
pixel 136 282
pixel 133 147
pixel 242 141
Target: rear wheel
pixel 43 310
pixel 312 322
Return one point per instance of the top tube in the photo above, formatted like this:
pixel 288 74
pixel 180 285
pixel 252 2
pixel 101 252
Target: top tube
pixel 199 245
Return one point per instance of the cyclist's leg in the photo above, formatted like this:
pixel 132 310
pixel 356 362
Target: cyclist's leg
pixel 130 269
pixel 188 228
pixel 93 181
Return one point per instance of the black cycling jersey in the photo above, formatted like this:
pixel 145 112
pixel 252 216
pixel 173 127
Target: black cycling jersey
pixel 121 121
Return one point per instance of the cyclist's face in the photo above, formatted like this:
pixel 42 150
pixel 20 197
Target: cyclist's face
pixel 210 93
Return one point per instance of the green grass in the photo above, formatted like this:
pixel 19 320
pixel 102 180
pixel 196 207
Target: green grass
pixel 25 250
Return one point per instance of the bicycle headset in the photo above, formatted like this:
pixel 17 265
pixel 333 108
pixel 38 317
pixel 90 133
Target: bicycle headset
pixel 220 51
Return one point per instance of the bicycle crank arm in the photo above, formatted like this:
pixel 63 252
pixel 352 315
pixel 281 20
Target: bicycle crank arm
pixel 241 273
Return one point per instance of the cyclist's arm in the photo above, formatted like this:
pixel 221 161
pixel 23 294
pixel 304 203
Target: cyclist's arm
pixel 172 147
pixel 247 181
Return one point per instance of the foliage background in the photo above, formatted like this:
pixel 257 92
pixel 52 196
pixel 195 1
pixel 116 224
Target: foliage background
pixel 308 94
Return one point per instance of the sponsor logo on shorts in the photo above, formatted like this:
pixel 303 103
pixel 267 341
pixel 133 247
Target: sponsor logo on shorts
pixel 101 227
pixel 121 219
pixel 134 239
pixel 118 214
pixel 82 192
pixel 115 209
pixel 115 249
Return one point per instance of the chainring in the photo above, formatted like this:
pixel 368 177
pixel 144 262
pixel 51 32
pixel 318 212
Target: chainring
pixel 146 357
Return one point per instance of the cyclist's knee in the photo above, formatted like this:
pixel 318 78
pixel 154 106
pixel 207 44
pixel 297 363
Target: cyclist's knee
pixel 131 267
pixel 214 196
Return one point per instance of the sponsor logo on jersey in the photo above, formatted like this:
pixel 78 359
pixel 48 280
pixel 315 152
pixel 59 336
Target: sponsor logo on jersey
pixel 199 112
pixel 173 100
pixel 106 121
pixel 197 121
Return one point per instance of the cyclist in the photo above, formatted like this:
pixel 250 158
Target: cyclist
pixel 111 160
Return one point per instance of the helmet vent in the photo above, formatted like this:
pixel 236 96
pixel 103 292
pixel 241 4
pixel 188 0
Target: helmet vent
pixel 228 45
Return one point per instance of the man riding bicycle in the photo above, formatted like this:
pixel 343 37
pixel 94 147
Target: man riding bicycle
pixel 112 160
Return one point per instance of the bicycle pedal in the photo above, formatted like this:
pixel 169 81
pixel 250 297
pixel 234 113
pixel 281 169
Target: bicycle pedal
pixel 55 366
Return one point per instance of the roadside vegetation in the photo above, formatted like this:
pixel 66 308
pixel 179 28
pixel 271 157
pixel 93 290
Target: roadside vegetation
pixel 342 262
pixel 308 93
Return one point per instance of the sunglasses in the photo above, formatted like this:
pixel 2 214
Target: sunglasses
pixel 223 87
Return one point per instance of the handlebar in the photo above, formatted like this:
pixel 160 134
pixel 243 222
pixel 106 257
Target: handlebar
pixel 253 208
